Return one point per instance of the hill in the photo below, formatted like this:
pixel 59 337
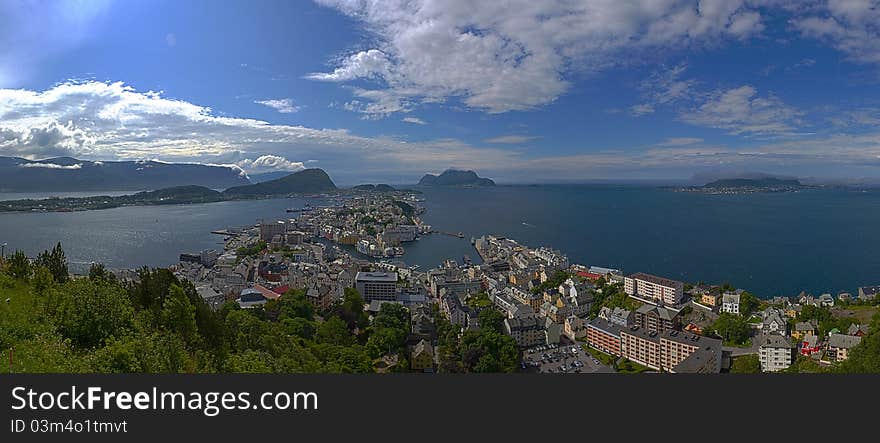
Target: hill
pixel 374 188
pixel 74 175
pixel 766 182
pixel 305 181
pixel 454 177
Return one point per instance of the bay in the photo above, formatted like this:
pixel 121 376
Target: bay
pixel 772 244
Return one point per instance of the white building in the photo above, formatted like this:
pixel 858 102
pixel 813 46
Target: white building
pixel 730 303
pixel 656 289
pixel 775 353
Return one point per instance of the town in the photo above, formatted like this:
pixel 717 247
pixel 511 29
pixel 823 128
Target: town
pixel 563 317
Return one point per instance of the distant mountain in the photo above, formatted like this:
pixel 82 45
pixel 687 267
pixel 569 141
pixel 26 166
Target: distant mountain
pixel 766 182
pixel 453 177
pixel 374 188
pixel 305 181
pixel 73 175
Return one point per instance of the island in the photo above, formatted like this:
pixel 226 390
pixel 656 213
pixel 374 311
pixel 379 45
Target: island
pixel 746 186
pixel 455 177
pixel 308 181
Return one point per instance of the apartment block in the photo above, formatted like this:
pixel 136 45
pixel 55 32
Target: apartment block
pixel 656 289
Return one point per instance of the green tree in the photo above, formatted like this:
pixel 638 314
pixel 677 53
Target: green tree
pixel 19 266
pixel 732 328
pixel 179 315
pixel 334 331
pixel 351 310
pixel 90 313
pixel 748 304
pixel 488 351
pixel 491 320
pixel 299 327
pixel 746 364
pixel 97 271
pixel 56 262
pixel 42 281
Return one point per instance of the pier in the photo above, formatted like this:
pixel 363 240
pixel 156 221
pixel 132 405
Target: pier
pixel 451 234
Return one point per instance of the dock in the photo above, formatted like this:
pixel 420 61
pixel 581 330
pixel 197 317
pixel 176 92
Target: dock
pixel 451 234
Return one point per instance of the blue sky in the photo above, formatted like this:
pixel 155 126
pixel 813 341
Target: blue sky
pixel 520 91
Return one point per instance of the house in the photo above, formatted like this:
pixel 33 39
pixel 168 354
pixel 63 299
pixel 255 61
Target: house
pixel 826 300
pixel 775 353
pixel 422 357
pixel 730 303
pixel 858 330
pixel 773 322
pixel 804 328
pixel 575 328
pixel 710 299
pixel 618 316
pixel 839 346
pixel 810 345
pixel 251 298
pixel 526 331
pixel 868 293
pixel 552 331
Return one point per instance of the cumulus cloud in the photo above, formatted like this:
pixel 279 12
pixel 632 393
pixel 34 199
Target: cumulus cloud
pixel 50 166
pixel 268 163
pixel 515 55
pixel 851 26
pixel 282 105
pixel 742 111
pixel 511 139
pixel 414 120
pixel 112 121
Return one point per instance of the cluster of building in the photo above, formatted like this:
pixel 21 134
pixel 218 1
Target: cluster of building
pixel 376 224
pixel 522 283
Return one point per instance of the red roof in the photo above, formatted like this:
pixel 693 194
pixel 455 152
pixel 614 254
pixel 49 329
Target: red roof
pixel 270 295
pixel 589 275
pixel 281 290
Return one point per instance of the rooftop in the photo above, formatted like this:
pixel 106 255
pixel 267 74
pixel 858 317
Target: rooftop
pixel 656 280
pixel 377 276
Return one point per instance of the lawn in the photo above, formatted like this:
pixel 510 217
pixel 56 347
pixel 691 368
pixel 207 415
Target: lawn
pixel 606 359
pixel 631 367
pixel 862 313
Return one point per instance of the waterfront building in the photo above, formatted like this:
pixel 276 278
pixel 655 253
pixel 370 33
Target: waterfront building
pixel 653 288
pixel 730 303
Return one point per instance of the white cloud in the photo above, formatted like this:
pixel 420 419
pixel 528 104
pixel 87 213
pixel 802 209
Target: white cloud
pixel 680 141
pixel 414 120
pixel 50 166
pixel 664 87
pixel 111 121
pixel 267 163
pixel 282 105
pixel 516 55
pixel 511 139
pixel 851 26
pixel 742 111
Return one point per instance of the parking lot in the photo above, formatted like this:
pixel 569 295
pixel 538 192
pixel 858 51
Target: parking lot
pixel 555 359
